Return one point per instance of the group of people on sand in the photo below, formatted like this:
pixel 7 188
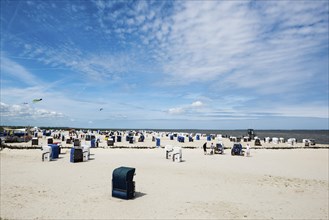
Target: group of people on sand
pixel 212 148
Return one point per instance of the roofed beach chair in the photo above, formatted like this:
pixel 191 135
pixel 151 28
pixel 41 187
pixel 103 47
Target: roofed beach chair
pixel 219 149
pixel 257 142
pixel 169 150
pixel 237 150
pixel 123 185
pixel 177 154
pixel 46 153
pixel 86 152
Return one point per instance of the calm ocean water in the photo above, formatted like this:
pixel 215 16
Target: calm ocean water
pixel 320 136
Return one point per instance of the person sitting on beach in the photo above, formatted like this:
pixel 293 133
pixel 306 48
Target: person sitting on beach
pixel 205 148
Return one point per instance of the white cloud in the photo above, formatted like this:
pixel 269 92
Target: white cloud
pixel 236 44
pixel 17 71
pixel 97 67
pixel 26 111
pixel 197 104
pixel 184 109
pixel 176 111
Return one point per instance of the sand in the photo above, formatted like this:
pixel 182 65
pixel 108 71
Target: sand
pixel 271 184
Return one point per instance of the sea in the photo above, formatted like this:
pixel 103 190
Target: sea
pixel 320 136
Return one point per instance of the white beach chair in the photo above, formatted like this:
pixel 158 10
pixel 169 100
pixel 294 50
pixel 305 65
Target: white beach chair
pixel 169 150
pixel 275 140
pixel 177 154
pixel 267 140
pixel 86 148
pixel 291 141
pixel 306 142
pixel 86 152
pixel 46 153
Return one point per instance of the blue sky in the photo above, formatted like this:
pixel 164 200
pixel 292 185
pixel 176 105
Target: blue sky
pixel 165 64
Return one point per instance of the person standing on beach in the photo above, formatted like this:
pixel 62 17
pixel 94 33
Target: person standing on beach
pixel 212 148
pixel 247 150
pixel 205 148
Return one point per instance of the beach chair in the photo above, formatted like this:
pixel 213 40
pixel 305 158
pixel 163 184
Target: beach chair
pixel 177 154
pixel 281 139
pixel 257 142
pixel 46 153
pixel 291 141
pixel 55 150
pixel 86 152
pixel 157 143
pixel 219 149
pixel 110 142
pixel 131 139
pixel 275 140
pixel 267 140
pixel 169 150
pixel 76 155
pixel 141 138
pixel 312 142
pixel 306 142
pixel 123 185
pixel 237 150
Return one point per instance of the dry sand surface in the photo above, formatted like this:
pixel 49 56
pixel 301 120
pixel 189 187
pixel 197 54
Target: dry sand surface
pixel 271 184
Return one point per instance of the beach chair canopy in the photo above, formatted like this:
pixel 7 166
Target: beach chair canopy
pixel 123 174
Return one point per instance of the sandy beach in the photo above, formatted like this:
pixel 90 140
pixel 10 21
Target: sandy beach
pixel 148 143
pixel 271 184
